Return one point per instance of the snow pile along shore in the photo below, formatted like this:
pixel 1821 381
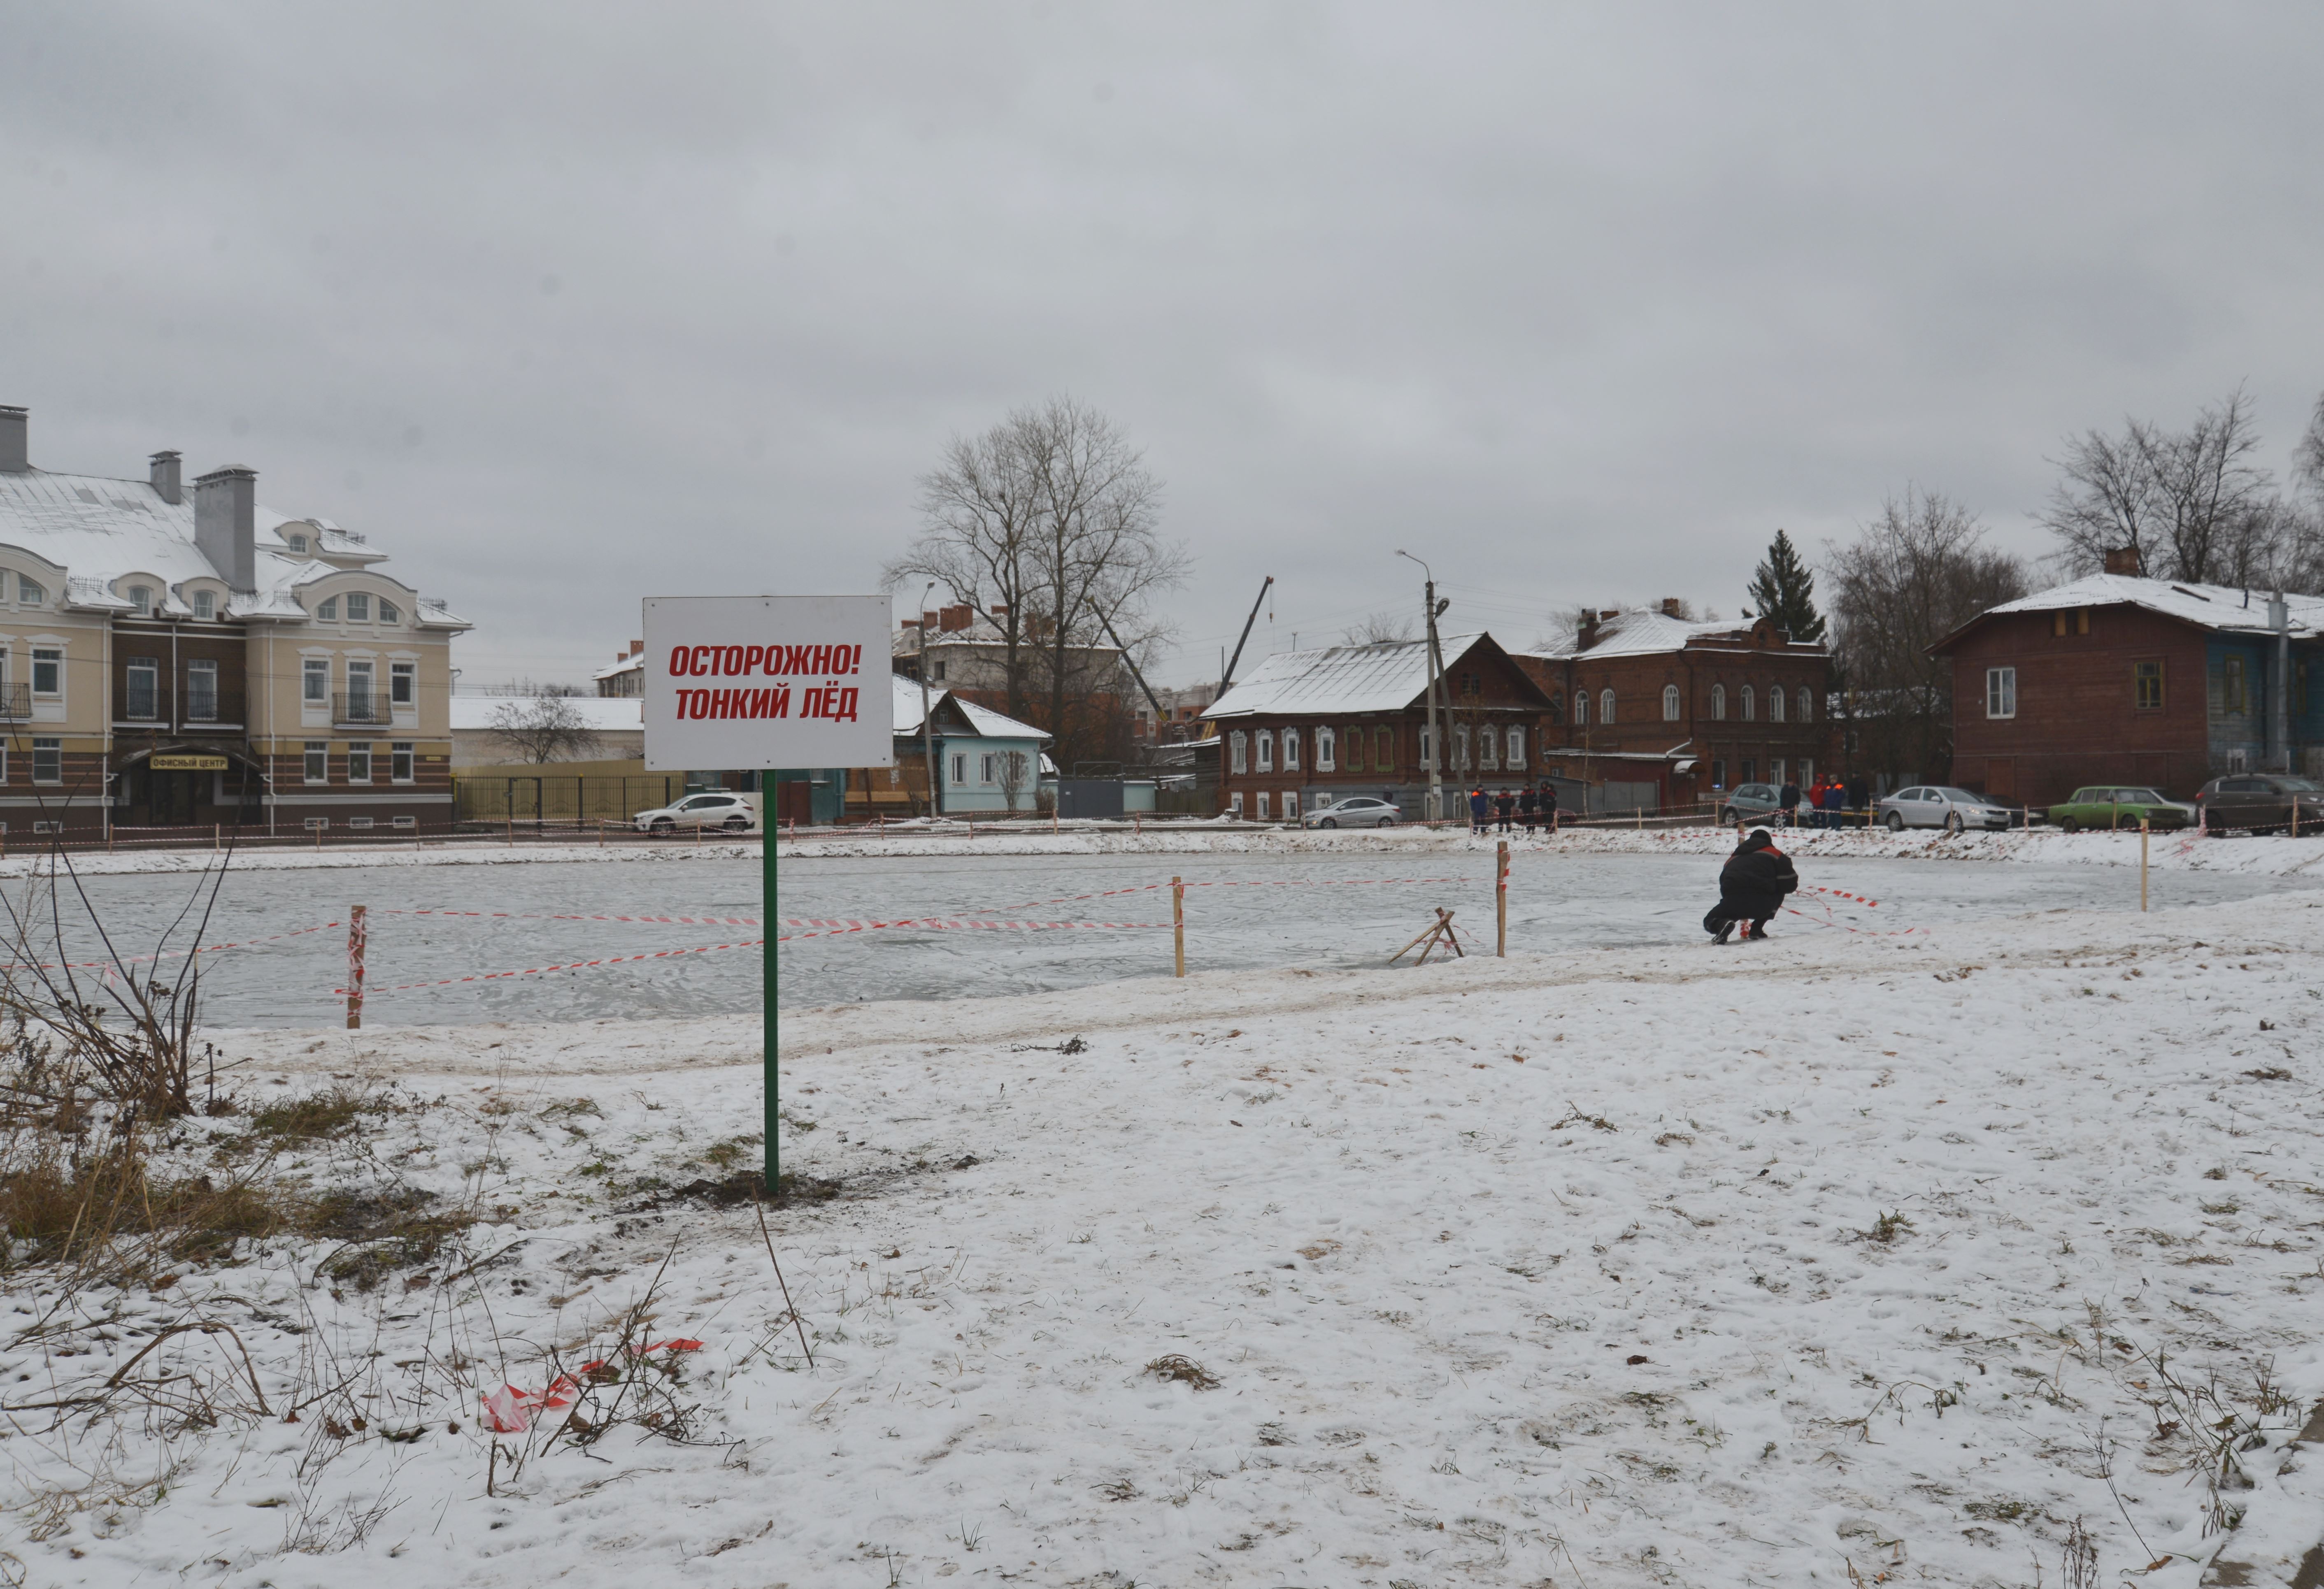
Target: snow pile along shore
pixel 1778 1264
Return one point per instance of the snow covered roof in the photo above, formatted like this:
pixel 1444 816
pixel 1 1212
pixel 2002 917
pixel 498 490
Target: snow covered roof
pixel 632 662
pixel 991 724
pixel 99 529
pixel 1387 678
pixel 604 715
pixel 994 725
pixel 2219 607
pixel 1643 633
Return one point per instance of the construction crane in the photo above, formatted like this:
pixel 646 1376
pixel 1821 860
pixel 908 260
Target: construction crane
pixel 1264 587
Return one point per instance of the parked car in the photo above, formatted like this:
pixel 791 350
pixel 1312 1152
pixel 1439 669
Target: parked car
pixel 1358 810
pixel 2112 805
pixel 2260 803
pixel 1746 801
pixel 1941 805
pixel 736 813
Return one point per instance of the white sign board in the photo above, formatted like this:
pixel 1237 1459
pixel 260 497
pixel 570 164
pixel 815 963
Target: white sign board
pixel 758 682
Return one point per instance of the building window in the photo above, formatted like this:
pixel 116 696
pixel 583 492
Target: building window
pixel 1806 773
pixel 1775 772
pixel 299 543
pixel 1516 757
pixel 329 610
pixel 1717 703
pixel 319 761
pixel 141 600
pixel 142 691
pixel 936 672
pixel 201 692
pixel 1718 772
pixel 1606 709
pixel 359 696
pixel 1263 805
pixel 315 682
pixel 2233 698
pixel 1580 709
pixel 987 769
pixel 402 683
pixel 399 761
pixel 358 608
pixel 1750 770
pixel 1265 737
pixel 47 671
pixel 28 593
pixel 2146 685
pixel 1428 747
pixel 1748 700
pixel 1291 805
pixel 1488 748
pixel 387 612
pixel 1383 750
pixel 205 605
pixel 1327 744
pixel 1234 804
pixel 1807 704
pixel 1670 702
pixel 2001 692
pixel 1777 701
pixel 48 761
pixel 1238 752
pixel 359 761
pixel 959 768
pixel 1291 750
pixel 1460 748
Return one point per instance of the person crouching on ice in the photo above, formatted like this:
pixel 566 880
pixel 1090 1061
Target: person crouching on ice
pixel 1751 888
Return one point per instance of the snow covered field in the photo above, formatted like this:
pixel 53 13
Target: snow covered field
pixel 1805 1261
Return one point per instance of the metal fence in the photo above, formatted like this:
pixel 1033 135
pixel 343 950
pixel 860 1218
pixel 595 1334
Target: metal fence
pixel 554 797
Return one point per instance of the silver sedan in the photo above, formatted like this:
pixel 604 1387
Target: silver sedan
pixel 1360 811
pixel 1940 805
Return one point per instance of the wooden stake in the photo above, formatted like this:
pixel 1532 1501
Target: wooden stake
pixel 1502 903
pixel 1178 922
pixel 358 937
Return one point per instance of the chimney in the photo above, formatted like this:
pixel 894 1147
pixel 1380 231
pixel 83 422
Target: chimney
pixel 225 503
pixel 162 471
pixel 637 648
pixel 15 459
pixel 2126 560
pixel 1585 633
pixel 1670 606
pixel 956 617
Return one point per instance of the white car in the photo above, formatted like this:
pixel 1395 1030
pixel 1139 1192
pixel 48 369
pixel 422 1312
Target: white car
pixel 736 813
pixel 1940 805
pixel 1360 811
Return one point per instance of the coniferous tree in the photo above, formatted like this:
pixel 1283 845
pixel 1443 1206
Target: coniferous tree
pixel 1783 592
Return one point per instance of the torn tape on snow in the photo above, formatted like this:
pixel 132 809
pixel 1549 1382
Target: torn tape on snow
pixel 509 1411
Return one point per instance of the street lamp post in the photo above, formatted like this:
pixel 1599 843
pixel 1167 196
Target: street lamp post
pixel 927 746
pixel 1435 674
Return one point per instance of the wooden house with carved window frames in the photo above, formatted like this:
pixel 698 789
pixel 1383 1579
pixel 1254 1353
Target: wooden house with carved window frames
pixel 176 658
pixel 1309 727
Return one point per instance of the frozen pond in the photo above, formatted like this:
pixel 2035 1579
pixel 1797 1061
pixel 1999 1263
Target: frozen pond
pixel 1241 911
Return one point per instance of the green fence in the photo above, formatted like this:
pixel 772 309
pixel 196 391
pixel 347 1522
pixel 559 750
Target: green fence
pixel 549 798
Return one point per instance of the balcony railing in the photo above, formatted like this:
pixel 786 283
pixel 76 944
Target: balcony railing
pixel 361 709
pixel 211 707
pixel 15 702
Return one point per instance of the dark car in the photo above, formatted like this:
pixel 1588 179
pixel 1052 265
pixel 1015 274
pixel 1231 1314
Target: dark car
pixel 2261 803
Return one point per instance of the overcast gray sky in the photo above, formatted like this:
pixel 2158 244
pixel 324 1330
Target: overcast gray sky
pixel 568 303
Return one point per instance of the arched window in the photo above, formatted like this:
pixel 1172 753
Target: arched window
pixel 1718 703
pixel 1517 750
pixel 1775 704
pixel 1238 752
pixel 1807 705
pixel 1750 704
pixel 1291 750
pixel 1265 737
pixel 1326 747
pixel 1580 709
pixel 1670 702
pixel 1606 708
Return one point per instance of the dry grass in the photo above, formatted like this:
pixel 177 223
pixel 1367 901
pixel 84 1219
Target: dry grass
pixel 61 1203
pixel 1183 1371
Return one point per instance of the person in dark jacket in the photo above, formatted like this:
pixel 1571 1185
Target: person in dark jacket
pixel 1527 807
pixel 1505 806
pixel 1788 797
pixel 1859 798
pixel 1481 810
pixel 1549 807
pixel 1751 888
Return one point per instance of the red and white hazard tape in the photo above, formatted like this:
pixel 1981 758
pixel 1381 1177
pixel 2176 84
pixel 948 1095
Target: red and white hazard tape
pixel 616 959
pixel 1234 883
pixel 835 929
pixel 509 1411
pixel 509 915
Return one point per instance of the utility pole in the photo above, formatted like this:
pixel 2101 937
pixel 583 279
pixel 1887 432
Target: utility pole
pixel 927 746
pixel 1431 609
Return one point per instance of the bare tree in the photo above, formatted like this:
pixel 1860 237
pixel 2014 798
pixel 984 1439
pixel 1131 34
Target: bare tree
pixel 1013 766
pixel 545 726
pixel 2192 503
pixel 1380 628
pixel 1913 575
pixel 978 510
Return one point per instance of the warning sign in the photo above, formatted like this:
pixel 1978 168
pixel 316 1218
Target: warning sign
pixel 758 682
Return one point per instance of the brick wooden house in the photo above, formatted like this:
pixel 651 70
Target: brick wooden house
pixel 174 658
pixel 1648 698
pixel 2119 679
pixel 1309 727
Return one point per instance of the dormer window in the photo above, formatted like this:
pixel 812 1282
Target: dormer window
pixel 358 608
pixel 140 597
pixel 299 543
pixel 28 593
pixel 387 612
pixel 205 605
pixel 329 610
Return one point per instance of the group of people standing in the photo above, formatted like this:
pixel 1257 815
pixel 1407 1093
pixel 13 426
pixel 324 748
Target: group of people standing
pixel 1533 805
pixel 1829 802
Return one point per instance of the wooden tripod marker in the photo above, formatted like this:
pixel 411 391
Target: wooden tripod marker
pixel 1435 938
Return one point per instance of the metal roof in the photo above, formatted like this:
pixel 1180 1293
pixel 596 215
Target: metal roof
pixel 1385 678
pixel 2219 607
pixel 1647 633
pixel 988 723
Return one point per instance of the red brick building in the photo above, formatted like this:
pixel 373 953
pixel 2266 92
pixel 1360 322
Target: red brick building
pixel 2117 679
pixel 1692 709
pixel 1308 727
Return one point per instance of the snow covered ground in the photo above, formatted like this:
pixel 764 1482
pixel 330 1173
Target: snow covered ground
pixel 1796 1261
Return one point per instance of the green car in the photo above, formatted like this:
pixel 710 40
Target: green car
pixel 2103 806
